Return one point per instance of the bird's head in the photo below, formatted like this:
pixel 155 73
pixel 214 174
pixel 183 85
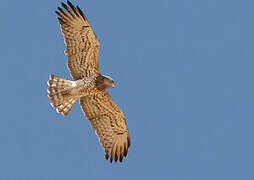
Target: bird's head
pixel 109 82
pixel 104 82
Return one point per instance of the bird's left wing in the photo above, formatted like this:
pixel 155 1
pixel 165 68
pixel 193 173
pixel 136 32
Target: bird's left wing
pixel 109 122
pixel 82 45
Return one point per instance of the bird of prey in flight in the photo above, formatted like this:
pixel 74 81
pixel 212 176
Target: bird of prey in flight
pixel 88 84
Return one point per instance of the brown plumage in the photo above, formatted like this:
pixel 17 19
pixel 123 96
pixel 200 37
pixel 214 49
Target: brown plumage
pixel 82 48
pixel 82 45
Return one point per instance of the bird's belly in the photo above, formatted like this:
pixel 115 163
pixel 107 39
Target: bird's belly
pixel 83 89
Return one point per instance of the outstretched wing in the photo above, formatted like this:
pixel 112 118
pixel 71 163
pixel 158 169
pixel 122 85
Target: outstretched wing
pixel 109 122
pixel 82 45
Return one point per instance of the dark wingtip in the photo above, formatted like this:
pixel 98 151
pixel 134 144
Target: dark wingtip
pixel 81 13
pixel 121 158
pixel 63 4
pixel 73 8
pixel 58 13
pixel 69 3
pixel 67 8
pixel 106 156
pixel 61 10
pixel 129 141
pixel 125 152
pixel 121 153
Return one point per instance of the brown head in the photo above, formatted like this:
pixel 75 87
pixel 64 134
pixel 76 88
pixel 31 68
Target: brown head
pixel 104 82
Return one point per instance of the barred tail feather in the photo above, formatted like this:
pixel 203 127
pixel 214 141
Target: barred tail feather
pixel 59 93
pixel 65 107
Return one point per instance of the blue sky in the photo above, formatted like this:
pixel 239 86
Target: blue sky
pixel 184 78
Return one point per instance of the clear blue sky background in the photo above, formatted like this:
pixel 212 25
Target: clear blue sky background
pixel 184 72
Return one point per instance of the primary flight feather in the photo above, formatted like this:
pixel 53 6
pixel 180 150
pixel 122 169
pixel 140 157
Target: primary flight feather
pixel 82 49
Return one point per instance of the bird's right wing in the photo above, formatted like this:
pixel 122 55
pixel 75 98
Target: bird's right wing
pixel 82 45
pixel 109 122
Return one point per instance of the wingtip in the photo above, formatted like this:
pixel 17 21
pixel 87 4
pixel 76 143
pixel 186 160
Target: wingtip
pixel 125 152
pixel 58 13
pixel 81 13
pixel 106 156
pixel 69 3
pixel 129 140
pixel 116 158
pixel 73 8
pixel 63 4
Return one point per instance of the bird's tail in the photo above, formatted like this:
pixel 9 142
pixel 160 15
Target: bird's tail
pixel 59 93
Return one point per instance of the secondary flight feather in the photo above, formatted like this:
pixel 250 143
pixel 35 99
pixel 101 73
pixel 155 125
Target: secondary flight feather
pixel 88 85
